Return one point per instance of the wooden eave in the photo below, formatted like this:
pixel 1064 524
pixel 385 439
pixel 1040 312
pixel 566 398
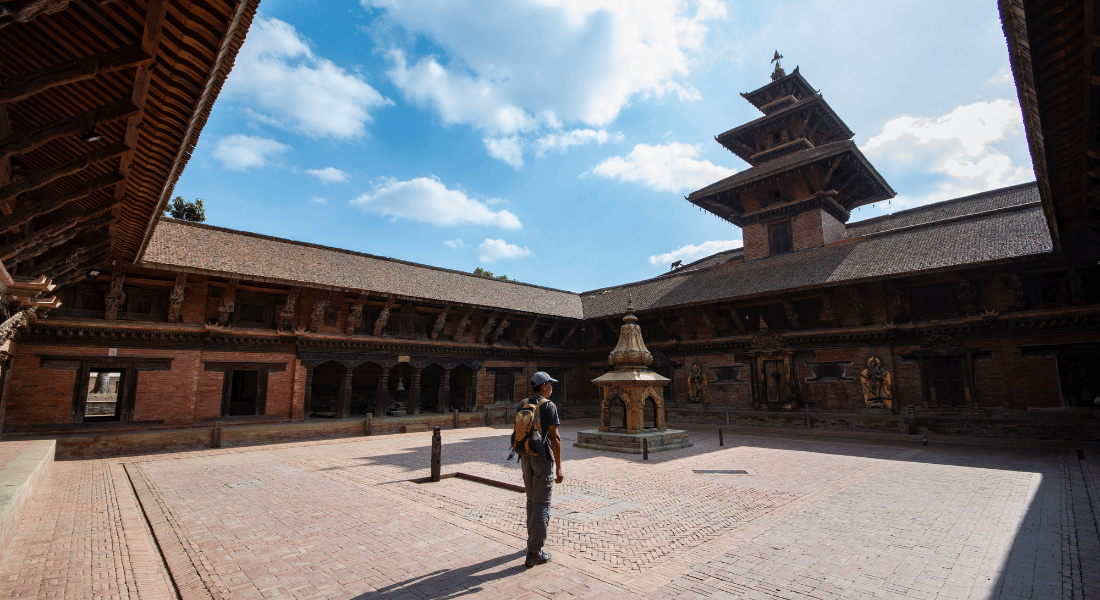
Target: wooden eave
pixel 1054 50
pixel 759 96
pixel 813 103
pixel 144 74
pixel 720 198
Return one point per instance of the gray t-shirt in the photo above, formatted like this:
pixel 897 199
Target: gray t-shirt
pixel 548 416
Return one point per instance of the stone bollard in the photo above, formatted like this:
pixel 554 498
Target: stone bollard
pixel 488 417
pixel 645 448
pixel 721 442
pixel 367 423
pixel 456 418
pixel 437 453
pixel 216 442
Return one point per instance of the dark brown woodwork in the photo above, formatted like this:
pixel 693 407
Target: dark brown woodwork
pixel 23 86
pixel 568 334
pixel 76 165
pixel 5 163
pixel 71 127
pixel 154 21
pixel 38 208
pixel 487 327
pixel 829 174
pixel 52 237
pixel 736 316
pixel 32 9
pixel 64 263
pixel 528 331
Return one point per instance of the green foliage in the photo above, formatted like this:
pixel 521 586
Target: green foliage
pixel 489 274
pixel 179 208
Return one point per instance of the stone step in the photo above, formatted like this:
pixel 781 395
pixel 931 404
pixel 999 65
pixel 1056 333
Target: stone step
pixel 18 478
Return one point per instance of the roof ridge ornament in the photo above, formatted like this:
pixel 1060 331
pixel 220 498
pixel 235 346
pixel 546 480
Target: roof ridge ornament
pixel 778 72
pixel 630 354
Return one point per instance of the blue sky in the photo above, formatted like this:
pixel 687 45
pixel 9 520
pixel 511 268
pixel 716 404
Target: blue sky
pixel 554 140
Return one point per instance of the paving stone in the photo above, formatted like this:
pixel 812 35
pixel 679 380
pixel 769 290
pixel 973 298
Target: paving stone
pixel 813 518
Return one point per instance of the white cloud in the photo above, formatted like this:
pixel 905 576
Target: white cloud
pixel 427 199
pixel 285 83
pixel 456 243
pixel 561 142
pixel 672 167
pixel 507 149
pixel 530 66
pixel 492 250
pixel 240 152
pixel 961 146
pixel 318 200
pixel 691 253
pixel 329 175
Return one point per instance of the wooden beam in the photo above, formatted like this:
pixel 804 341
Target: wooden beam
pixel 30 10
pixel 51 237
pixel 10 191
pixel 73 126
pixel 5 163
pixel 829 174
pixel 150 39
pixel 42 207
pixel 62 263
pixel 30 84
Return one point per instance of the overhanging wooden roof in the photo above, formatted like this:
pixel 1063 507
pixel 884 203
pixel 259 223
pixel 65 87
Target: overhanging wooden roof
pixel 1054 48
pixel 101 104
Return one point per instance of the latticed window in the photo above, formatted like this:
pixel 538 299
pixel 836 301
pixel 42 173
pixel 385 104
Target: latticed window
pixel 725 374
pixel 251 313
pixel 779 237
pixel 504 387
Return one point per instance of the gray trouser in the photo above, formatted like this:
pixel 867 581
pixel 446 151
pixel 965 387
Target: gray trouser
pixel 538 481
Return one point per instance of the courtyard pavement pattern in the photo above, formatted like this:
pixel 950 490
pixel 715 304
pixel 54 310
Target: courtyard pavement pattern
pixel 810 517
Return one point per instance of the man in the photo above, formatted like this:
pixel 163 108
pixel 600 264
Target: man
pixel 538 471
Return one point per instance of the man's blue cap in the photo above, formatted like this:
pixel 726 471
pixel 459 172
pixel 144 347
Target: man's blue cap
pixel 540 378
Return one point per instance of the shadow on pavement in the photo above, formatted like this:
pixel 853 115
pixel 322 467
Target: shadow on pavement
pixel 451 583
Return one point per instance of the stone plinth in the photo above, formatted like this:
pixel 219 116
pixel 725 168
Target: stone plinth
pixel 631 443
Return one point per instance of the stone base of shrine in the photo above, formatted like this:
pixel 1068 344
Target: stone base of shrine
pixel 631 443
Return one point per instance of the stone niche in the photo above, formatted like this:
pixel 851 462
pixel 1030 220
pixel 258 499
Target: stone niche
pixel 640 394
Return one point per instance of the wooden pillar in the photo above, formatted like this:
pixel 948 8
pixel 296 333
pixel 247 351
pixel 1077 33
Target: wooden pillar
pixel 345 394
pixel 414 392
pixel 471 392
pixel 307 395
pixel 381 398
pixel 445 392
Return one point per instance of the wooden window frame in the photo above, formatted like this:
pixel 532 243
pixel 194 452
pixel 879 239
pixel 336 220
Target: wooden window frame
pixel 227 369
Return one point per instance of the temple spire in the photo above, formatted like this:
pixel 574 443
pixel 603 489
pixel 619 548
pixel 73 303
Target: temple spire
pixel 778 72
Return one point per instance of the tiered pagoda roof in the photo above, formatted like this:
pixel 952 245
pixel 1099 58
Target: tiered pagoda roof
pixel 799 140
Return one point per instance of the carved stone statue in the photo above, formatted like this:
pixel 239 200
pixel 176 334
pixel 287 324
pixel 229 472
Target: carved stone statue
pixel 877 385
pixel 697 384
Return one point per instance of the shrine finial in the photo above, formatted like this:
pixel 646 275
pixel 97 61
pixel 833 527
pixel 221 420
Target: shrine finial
pixel 778 72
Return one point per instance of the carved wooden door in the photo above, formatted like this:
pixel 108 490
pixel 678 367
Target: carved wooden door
pixel 773 379
pixel 947 380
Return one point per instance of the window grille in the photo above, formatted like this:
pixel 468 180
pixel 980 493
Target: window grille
pixel 251 313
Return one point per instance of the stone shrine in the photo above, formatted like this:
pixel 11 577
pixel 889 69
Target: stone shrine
pixel 638 391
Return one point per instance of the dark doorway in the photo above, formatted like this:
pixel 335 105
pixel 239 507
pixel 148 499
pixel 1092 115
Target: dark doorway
pixel 649 417
pixel 431 380
pixel 617 413
pixel 325 393
pixel 243 392
pixel 948 382
pixel 104 395
pixel 1081 379
pixel 461 397
pixel 364 387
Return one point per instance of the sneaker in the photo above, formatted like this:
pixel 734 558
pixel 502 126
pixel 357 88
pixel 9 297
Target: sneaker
pixel 541 558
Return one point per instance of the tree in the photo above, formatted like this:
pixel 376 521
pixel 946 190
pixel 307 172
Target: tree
pixel 179 208
pixel 488 274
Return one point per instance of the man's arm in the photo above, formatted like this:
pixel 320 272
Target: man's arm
pixel 555 445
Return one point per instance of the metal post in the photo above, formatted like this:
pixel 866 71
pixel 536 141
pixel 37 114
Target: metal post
pixel 807 415
pixel 721 442
pixel 217 441
pixel 367 423
pixel 645 448
pixel 456 418
pixel 727 414
pixel 437 454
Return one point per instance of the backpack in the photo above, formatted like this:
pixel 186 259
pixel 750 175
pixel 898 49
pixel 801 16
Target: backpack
pixel 526 437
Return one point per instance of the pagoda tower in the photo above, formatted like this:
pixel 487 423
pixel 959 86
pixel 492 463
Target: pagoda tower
pixel 807 174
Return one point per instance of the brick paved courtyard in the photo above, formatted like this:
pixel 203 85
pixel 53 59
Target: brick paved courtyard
pixel 810 518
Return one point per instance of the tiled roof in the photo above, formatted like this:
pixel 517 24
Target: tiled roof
pixel 178 244
pixel 994 226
